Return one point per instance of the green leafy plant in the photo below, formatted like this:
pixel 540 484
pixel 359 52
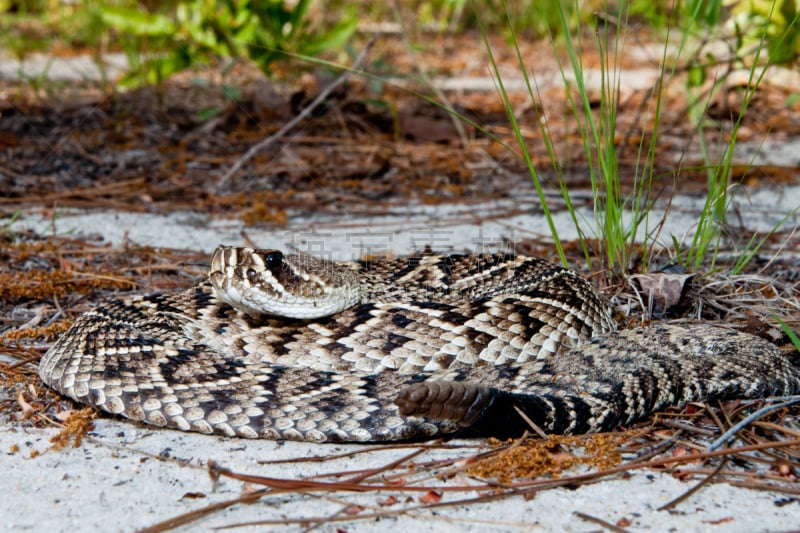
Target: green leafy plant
pixel 198 31
pixel 772 23
pixel 28 26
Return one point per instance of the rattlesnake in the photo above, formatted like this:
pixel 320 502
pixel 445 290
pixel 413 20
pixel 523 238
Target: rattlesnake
pixel 394 349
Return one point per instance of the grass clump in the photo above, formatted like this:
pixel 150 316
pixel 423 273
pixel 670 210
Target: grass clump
pixel 618 232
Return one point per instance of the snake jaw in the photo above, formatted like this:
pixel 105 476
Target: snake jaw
pixel 233 277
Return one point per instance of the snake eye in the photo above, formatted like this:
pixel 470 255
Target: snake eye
pixel 251 274
pixel 273 259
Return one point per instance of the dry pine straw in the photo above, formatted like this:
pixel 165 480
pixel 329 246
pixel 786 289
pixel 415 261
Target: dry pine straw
pixel 47 271
pixel 413 486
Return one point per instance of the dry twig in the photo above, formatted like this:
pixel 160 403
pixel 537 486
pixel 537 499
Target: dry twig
pixel 300 116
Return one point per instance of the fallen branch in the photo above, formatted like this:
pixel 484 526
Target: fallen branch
pixel 300 116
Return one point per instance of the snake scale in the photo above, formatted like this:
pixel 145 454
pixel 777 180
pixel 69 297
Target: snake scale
pixel 283 346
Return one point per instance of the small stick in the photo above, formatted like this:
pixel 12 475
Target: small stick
pixel 539 431
pixel 300 116
pixel 706 480
pixel 600 522
pixel 755 416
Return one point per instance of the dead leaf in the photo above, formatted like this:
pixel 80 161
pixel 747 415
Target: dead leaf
pixel 27 409
pixel 660 291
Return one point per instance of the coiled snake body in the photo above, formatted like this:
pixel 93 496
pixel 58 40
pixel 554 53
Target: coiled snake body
pixel 292 347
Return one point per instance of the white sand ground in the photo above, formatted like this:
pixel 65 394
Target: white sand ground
pixel 114 483
pixel 117 485
pixel 467 226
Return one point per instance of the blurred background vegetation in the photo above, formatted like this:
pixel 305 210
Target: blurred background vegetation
pixel 161 38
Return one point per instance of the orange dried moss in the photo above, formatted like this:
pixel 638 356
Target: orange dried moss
pixel 38 284
pixel 76 425
pixel 48 332
pixel 261 212
pixel 259 207
pixel 24 250
pixel 548 457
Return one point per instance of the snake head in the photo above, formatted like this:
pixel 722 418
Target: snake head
pixel 269 282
